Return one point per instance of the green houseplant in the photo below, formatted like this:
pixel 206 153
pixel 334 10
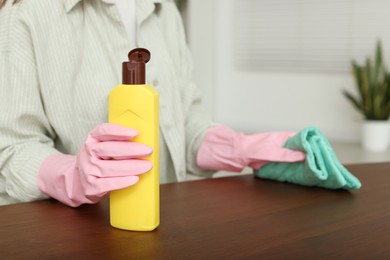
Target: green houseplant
pixel 373 85
pixel 373 100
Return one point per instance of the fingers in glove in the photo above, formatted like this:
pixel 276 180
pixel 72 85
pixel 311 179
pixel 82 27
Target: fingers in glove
pixel 279 154
pixel 119 150
pixel 288 155
pixel 284 155
pixel 119 168
pixel 113 132
pixel 100 186
pixel 265 139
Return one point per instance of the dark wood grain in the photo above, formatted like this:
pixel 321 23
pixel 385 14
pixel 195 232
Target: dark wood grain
pixel 226 218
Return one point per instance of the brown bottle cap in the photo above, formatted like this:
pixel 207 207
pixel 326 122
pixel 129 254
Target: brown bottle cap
pixel 133 71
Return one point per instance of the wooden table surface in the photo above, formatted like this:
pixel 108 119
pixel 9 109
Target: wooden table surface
pixel 226 218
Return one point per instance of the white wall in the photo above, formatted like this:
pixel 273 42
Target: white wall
pixel 253 101
pixel 201 26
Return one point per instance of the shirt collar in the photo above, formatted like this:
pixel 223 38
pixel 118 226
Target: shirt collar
pixel 69 4
pixel 145 8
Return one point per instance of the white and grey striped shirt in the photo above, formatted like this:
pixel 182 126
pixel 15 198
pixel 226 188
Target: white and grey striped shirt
pixel 58 62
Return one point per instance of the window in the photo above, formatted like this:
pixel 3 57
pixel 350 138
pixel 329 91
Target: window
pixel 309 35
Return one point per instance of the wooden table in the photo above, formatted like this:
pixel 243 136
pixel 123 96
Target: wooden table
pixel 226 218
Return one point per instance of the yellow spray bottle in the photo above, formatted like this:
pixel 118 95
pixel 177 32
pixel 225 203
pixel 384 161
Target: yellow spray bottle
pixel 135 104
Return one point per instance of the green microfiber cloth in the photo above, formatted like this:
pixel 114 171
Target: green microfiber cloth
pixel 321 167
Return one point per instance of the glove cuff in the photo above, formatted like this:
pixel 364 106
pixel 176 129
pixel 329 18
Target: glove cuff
pixel 220 150
pixel 56 178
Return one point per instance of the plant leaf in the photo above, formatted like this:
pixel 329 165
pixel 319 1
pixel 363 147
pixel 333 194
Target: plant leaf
pixel 373 85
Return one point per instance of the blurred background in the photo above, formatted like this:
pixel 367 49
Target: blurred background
pixel 283 64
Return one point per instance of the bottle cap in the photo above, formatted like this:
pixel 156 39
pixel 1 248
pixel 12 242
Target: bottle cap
pixel 133 71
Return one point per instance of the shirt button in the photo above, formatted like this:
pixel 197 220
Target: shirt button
pixel 155 83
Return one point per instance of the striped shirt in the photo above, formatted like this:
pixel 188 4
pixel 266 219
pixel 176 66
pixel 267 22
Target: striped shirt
pixel 58 62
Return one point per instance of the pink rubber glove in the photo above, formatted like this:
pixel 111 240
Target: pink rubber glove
pixel 107 161
pixel 225 149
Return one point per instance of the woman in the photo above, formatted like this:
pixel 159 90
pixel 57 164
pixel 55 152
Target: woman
pixel 60 59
